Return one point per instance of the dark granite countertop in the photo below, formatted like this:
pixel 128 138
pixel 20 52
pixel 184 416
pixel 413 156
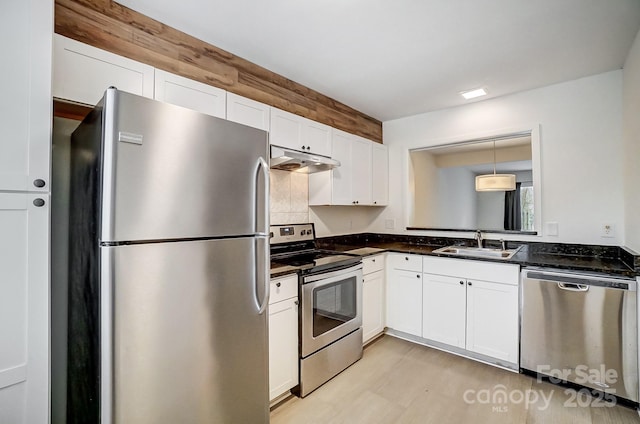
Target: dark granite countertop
pixel 611 260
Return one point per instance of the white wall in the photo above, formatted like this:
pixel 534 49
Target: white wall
pixel 581 147
pixel 631 137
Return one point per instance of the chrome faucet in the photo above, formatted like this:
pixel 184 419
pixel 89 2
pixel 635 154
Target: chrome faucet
pixel 478 237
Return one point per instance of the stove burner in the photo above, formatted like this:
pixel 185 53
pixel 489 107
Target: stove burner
pixel 295 246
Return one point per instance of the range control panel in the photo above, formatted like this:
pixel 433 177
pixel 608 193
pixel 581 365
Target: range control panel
pixel 293 232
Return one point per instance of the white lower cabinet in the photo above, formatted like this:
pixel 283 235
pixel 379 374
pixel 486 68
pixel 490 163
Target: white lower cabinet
pixel 404 293
pixel 492 319
pixel 24 308
pixel 373 314
pixel 444 302
pixel 283 335
pixel 463 311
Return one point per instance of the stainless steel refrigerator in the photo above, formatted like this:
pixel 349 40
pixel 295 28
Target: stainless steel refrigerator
pixel 168 267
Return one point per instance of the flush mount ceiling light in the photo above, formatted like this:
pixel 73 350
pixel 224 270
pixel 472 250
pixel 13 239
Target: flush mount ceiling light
pixel 495 182
pixel 474 93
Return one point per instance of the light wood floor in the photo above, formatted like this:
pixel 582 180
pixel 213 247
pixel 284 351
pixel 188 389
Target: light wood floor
pixel 401 382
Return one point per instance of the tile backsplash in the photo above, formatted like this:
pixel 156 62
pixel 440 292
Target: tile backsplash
pixel 289 197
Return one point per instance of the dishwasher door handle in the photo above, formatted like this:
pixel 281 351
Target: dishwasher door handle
pixel 573 287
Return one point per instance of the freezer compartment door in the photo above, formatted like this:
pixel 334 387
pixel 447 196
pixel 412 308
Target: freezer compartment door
pixel 581 329
pixel 170 172
pixel 189 342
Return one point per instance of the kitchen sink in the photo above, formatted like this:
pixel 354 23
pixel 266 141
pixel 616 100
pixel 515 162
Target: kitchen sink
pixel 483 252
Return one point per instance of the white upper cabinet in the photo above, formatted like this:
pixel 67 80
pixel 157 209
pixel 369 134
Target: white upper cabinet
pixel 356 180
pixel 82 73
pixel 380 174
pixel 316 137
pixel 248 112
pixel 26 28
pixel 299 133
pixel 361 168
pixel 181 91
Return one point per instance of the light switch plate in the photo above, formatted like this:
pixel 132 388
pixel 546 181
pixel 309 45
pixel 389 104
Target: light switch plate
pixel 390 224
pixel 551 229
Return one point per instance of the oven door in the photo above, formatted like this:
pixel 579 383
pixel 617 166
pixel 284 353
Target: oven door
pixel 331 307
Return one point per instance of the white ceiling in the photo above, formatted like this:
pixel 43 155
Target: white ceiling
pixel 391 59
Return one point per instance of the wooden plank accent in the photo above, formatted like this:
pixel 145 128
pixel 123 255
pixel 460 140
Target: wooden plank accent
pixel 70 110
pixel 110 26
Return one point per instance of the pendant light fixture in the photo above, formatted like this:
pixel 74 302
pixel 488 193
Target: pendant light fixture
pixel 495 182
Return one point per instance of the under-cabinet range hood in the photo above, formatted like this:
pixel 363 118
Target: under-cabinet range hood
pixel 293 160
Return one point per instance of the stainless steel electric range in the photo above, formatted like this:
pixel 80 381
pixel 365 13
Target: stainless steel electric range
pixel 330 291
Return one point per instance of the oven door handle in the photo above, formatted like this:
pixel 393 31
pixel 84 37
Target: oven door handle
pixel 327 275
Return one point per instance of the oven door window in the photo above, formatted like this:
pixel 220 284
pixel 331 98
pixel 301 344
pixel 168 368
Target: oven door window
pixel 333 305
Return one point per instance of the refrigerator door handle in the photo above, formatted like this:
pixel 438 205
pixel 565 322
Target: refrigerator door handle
pixel 263 168
pixel 265 277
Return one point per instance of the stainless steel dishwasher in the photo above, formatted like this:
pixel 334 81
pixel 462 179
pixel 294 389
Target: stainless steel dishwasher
pixel 581 328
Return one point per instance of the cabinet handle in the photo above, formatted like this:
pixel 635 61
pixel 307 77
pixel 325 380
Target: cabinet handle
pixel 278 284
pixel 375 203
pixel 296 302
pixel 418 276
pixel 461 282
pixel 406 258
pixel 373 260
pixel 39 183
pixel 469 283
pixel 38 202
pixel 304 147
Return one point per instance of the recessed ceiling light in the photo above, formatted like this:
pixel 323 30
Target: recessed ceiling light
pixel 474 93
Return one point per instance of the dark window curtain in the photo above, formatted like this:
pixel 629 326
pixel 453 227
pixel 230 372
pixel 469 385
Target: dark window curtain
pixel 512 212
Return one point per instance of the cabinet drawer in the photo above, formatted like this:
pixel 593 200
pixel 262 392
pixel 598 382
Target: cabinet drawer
pixel 372 264
pixel 405 261
pixel 473 270
pixel 283 288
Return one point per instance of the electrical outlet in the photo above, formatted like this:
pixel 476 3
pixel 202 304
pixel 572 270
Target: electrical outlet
pixel 390 224
pixel 551 229
pixel 608 230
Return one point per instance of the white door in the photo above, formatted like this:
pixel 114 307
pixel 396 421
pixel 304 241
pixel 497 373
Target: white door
pixel 372 305
pixel 361 170
pixel 26 28
pixel 380 174
pixel 181 91
pixel 247 112
pixel 444 309
pixel 492 319
pixel 404 310
pixel 24 308
pixel 341 177
pixel 283 346
pixel 82 73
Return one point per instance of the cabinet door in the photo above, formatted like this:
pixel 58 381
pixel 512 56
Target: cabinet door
pixel 361 170
pixel 26 28
pixel 82 73
pixel 191 94
pixel 248 112
pixel 380 174
pixel 492 319
pixel 24 308
pixel 444 309
pixel 286 130
pixel 341 176
pixel 404 302
pixel 283 347
pixel 372 305
pixel 317 137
